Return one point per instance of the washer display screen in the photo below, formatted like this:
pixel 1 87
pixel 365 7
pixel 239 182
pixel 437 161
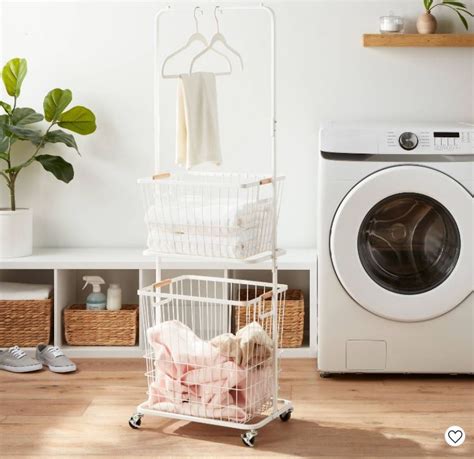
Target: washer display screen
pixel 409 243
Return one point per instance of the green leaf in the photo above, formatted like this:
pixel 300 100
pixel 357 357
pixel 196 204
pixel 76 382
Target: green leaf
pixel 60 168
pixel 426 3
pixel 466 12
pixel 24 116
pixel 4 156
pixel 23 133
pixel 5 140
pixel 6 107
pixel 449 2
pixel 4 145
pixel 463 20
pixel 55 103
pixel 13 74
pixel 61 137
pixel 78 119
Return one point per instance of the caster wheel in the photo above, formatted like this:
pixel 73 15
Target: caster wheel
pixel 248 438
pixel 286 416
pixel 324 374
pixel 135 421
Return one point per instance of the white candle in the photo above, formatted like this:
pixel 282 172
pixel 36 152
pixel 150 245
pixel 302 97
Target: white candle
pixel 391 24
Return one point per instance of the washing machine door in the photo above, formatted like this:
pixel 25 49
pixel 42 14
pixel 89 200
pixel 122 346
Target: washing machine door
pixel 401 243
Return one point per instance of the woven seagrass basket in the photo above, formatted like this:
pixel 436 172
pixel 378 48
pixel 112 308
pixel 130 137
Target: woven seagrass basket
pixel 25 322
pixel 101 328
pixel 292 326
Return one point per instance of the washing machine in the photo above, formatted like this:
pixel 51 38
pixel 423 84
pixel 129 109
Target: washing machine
pixel 395 242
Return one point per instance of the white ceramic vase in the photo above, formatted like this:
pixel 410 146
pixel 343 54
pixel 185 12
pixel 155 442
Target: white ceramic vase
pixel 16 233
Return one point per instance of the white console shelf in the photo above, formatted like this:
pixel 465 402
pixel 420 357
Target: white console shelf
pixel 64 267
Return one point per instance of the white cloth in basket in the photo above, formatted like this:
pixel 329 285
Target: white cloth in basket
pixel 225 214
pixel 233 231
pixel 244 244
pixel 20 291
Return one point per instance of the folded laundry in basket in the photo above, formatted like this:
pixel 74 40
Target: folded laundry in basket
pixel 208 218
pixel 217 246
pixel 20 291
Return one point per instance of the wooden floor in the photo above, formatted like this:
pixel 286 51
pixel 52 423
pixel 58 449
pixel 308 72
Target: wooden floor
pixel 86 414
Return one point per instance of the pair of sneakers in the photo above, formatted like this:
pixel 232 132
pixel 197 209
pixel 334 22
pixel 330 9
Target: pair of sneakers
pixel 15 360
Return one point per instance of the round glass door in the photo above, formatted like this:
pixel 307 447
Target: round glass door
pixel 409 243
pixel 401 243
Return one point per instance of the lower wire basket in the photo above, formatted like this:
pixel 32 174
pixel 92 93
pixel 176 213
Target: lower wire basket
pixel 212 352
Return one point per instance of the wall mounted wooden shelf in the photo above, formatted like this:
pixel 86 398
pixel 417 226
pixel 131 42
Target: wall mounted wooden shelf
pixel 454 40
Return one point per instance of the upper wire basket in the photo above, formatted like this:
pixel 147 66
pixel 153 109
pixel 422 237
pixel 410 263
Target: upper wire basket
pixel 223 215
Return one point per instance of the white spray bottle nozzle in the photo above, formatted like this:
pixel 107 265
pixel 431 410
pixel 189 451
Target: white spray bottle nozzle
pixel 95 281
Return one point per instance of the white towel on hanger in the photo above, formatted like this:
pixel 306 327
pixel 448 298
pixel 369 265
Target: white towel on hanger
pixel 197 126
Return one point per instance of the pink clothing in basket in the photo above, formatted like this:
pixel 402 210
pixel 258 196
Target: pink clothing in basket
pixel 192 377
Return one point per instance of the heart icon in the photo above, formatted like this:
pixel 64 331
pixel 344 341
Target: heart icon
pixel 455 435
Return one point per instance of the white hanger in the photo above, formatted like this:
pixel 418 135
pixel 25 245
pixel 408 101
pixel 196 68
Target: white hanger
pixel 196 36
pixel 218 37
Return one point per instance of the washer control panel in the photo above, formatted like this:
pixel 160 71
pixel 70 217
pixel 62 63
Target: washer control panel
pixel 449 139
pixel 443 142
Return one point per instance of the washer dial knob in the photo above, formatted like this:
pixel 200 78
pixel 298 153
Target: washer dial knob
pixel 408 141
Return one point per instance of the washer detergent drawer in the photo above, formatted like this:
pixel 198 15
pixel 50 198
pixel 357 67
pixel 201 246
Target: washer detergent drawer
pixel 366 355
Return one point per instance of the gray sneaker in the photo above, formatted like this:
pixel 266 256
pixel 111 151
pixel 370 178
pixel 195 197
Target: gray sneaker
pixel 54 358
pixel 15 360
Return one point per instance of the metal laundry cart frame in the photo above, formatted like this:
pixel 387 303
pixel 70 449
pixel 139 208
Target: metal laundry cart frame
pixel 281 408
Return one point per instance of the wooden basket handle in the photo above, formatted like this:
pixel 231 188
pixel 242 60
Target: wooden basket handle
pixel 161 176
pixel 267 295
pixel 162 283
pixel 264 297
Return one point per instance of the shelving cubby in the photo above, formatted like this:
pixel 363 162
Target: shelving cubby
pixel 64 268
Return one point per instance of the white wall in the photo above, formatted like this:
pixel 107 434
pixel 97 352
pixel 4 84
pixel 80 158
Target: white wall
pixel 103 51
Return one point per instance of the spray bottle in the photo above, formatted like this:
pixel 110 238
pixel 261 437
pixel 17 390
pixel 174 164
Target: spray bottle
pixel 96 300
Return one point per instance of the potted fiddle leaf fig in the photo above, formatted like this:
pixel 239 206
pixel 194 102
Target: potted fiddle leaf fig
pixel 427 23
pixel 25 125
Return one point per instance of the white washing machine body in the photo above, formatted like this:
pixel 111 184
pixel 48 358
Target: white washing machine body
pixel 395 249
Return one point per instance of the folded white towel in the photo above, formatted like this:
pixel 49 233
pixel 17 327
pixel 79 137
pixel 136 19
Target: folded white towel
pixel 19 291
pixel 197 126
pixel 215 215
pixel 242 244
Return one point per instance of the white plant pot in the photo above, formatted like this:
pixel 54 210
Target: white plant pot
pixel 16 233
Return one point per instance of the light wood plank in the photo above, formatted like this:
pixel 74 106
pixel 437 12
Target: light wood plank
pixel 454 40
pixel 86 414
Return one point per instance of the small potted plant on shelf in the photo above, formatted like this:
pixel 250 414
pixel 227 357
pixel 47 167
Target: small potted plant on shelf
pixel 427 23
pixel 19 125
